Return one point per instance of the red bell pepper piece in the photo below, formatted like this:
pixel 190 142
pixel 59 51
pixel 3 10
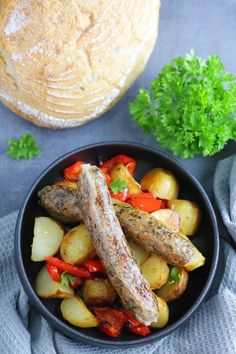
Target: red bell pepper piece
pixel 111 320
pixel 107 176
pixel 141 329
pixel 122 196
pixel 145 201
pixel 53 272
pixel 135 326
pixel 66 267
pixel 72 172
pixel 94 266
pixel 129 162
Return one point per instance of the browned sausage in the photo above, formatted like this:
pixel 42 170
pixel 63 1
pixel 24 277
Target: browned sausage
pixel 143 228
pixel 111 246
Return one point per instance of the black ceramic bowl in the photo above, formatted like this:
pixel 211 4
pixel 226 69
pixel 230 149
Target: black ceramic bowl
pixel 207 241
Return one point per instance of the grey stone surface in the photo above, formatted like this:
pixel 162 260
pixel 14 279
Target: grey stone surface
pixel 206 26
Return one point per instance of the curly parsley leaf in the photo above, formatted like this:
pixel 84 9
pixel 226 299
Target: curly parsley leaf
pixel 25 147
pixel 191 108
pixel 66 278
pixel 118 185
pixel 175 277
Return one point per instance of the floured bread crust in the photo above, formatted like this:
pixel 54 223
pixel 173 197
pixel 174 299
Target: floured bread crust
pixel 64 63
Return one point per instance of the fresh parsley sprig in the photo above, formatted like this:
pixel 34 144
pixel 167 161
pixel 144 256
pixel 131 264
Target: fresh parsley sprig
pixel 118 185
pixel 66 278
pixel 175 276
pixel 25 147
pixel 191 108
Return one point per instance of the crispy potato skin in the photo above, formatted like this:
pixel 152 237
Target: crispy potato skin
pixel 171 292
pixel 156 271
pixel 161 183
pixel 163 314
pixel 120 171
pixel 76 313
pixel 77 245
pixel 98 292
pixel 190 215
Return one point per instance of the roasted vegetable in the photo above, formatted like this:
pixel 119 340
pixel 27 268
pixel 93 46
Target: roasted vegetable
pixel 172 290
pixel 47 288
pixel 161 183
pixel 169 218
pixel 145 201
pixel 76 312
pixel 121 172
pixel 77 245
pixel 163 314
pixel 48 235
pixel 190 215
pixel 72 172
pixel 139 254
pixel 111 320
pixel 98 291
pixel 156 271
pixel 66 267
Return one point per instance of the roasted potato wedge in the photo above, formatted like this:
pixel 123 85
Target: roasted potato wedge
pixel 98 291
pixel 120 171
pixel 161 183
pixel 139 254
pixel 190 215
pixel 169 218
pixel 47 238
pixel 163 314
pixel 156 271
pixel 76 312
pixel 47 288
pixel 171 292
pixel 77 245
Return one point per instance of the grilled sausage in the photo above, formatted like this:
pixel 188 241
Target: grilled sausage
pixel 61 203
pixel 111 246
pixel 157 238
pixel 138 225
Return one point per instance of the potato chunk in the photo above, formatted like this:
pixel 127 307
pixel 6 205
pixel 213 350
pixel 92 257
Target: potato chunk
pixel 76 312
pixel 47 288
pixel 139 254
pixel 120 171
pixel 77 245
pixel 163 314
pixel 47 238
pixel 156 271
pixel 98 291
pixel 168 217
pixel 171 292
pixel 190 215
pixel 161 183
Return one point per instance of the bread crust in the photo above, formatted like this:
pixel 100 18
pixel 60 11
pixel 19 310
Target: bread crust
pixel 63 64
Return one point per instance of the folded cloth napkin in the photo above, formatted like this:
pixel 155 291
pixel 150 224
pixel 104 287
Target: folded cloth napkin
pixel 211 329
pixel 225 192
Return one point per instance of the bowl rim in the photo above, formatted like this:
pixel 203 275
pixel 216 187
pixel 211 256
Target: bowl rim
pixel 68 329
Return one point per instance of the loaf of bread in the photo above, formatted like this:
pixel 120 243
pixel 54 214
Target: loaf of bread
pixel 64 63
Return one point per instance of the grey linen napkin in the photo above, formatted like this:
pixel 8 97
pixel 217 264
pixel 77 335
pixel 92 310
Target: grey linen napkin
pixel 211 329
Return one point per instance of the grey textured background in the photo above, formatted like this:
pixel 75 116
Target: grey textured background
pixel 207 26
